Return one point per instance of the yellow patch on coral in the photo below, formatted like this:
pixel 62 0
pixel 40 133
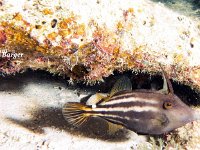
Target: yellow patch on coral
pixel 47 11
pixel 41 49
pixel 138 49
pixel 52 36
pixel 116 51
pixel 120 26
pixel 18 17
pixel 80 29
pixel 131 10
pixel 178 57
pixel 38 26
pixel 65 23
pixel 56 51
pixel 64 32
pixel 18 38
pixel 70 25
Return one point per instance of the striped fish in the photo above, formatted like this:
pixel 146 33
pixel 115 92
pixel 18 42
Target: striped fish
pixel 142 111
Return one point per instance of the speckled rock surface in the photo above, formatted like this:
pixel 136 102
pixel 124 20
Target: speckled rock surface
pixel 89 40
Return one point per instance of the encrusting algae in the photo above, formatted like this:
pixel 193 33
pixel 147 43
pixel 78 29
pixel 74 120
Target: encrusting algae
pixel 70 45
pixel 99 59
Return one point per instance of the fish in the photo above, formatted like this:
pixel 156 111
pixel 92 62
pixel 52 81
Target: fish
pixel 146 112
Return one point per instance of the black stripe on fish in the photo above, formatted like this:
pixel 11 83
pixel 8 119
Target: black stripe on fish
pixel 113 97
pixel 129 114
pixel 128 118
pixel 122 92
pixel 114 120
pixel 139 95
pixel 125 95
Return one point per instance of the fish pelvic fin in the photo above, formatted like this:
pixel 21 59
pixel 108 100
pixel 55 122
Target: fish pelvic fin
pixel 113 128
pixel 76 114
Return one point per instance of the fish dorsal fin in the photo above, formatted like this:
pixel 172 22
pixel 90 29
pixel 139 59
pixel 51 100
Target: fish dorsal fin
pixel 167 85
pixel 122 84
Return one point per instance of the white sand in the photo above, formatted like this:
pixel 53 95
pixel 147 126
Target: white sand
pixel 31 118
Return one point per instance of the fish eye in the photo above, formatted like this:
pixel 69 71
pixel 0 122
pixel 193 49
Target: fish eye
pixel 167 105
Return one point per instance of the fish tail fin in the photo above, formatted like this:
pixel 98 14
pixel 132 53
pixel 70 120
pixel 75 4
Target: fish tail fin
pixel 76 114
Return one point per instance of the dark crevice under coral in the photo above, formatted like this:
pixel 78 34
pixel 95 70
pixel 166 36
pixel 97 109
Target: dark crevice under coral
pixel 139 81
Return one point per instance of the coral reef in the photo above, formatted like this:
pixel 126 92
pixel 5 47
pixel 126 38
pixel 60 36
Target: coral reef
pixel 89 40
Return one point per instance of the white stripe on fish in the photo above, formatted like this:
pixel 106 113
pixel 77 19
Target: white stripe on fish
pixel 130 99
pixel 114 116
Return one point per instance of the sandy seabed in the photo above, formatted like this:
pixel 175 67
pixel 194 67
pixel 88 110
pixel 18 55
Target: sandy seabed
pixel 31 118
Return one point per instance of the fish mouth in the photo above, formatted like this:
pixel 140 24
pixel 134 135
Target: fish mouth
pixel 175 124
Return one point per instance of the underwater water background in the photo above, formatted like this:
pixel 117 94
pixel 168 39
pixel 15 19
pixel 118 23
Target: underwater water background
pixel 186 7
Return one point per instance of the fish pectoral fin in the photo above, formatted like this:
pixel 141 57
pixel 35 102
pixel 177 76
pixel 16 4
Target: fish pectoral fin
pixel 113 128
pixel 94 99
pixel 122 84
pixel 155 122
pixel 160 120
pixel 76 113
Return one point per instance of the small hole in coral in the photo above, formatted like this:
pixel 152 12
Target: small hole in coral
pixel 43 22
pixel 53 23
pixel 96 40
pixel 38 26
pixel 191 45
pixel 80 71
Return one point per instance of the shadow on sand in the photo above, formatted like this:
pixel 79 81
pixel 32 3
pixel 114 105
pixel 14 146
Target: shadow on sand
pixel 52 117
